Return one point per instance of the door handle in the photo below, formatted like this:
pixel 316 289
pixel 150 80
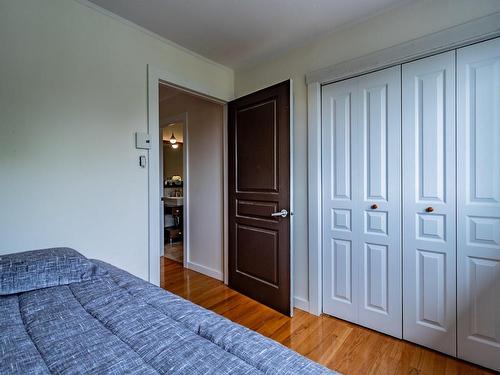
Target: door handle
pixel 282 213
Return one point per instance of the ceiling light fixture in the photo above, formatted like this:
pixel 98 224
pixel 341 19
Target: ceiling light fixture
pixel 173 140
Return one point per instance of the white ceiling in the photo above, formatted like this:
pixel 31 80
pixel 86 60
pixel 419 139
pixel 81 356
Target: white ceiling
pixel 238 33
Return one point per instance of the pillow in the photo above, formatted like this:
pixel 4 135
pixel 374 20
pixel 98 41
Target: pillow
pixel 30 270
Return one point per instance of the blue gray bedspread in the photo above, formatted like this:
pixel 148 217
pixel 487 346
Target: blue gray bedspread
pixel 110 322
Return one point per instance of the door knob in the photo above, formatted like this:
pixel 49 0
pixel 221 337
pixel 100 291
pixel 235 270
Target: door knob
pixel 374 206
pixel 282 213
pixel 429 209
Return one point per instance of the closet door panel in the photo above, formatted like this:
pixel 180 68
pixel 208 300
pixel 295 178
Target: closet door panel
pixel 478 142
pixel 339 243
pixel 376 175
pixel 429 267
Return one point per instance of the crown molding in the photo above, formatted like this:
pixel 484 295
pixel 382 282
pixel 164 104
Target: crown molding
pixel 150 33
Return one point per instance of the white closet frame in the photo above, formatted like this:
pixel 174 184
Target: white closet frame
pixel 471 32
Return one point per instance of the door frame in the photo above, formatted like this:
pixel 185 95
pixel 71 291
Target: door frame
pixel 155 76
pixel 180 117
pixel 475 31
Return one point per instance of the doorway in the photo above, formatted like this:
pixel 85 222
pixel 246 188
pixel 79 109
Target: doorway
pixel 191 138
pixel 173 173
pixel 208 158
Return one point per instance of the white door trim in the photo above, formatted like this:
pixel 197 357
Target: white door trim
pixel 315 221
pixel 458 36
pixel 155 75
pixel 181 117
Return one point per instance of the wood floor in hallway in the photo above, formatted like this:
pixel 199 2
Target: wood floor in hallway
pixel 339 345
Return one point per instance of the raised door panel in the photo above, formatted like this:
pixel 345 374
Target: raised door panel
pixel 258 157
pixel 257 243
pixel 429 215
pixel 339 272
pixel 340 143
pixel 478 184
pixel 377 193
pixel 341 261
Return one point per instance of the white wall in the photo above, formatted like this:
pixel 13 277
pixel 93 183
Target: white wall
pixel 73 92
pixel 204 138
pixel 401 24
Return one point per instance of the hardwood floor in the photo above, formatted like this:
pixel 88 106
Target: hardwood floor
pixel 339 345
pixel 174 252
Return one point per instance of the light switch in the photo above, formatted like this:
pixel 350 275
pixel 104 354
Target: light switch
pixel 142 161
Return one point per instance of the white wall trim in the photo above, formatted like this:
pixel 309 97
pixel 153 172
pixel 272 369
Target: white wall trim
pixel 474 31
pixel 301 303
pixel 125 21
pixel 481 29
pixel 314 197
pixel 155 75
pixel 205 270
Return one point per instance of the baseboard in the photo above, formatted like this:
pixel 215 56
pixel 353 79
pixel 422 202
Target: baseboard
pixel 301 303
pixel 205 270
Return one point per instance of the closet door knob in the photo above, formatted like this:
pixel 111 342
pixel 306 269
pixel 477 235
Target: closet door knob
pixel 429 209
pixel 374 206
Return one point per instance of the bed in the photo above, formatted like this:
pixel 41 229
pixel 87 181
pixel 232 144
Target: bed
pixel 61 313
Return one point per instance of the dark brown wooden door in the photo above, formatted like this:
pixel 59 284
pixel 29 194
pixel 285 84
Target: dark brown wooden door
pixel 259 185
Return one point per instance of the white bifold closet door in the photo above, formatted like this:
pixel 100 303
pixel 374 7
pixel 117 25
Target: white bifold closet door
pixel 361 162
pixel 478 184
pixel 429 214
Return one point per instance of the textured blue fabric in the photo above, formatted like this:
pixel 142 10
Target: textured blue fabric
pixel 29 270
pixel 115 323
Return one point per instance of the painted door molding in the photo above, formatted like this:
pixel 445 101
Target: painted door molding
pixel 429 209
pixel 361 159
pixel 314 195
pixel 340 268
pixel 378 178
pixel 478 183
